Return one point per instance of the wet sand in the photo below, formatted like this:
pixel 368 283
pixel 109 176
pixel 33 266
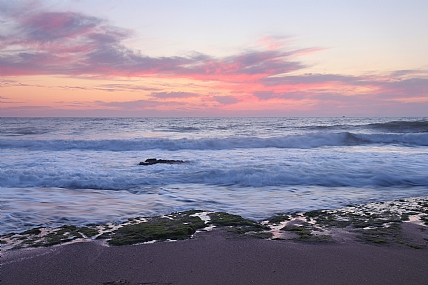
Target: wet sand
pixel 217 257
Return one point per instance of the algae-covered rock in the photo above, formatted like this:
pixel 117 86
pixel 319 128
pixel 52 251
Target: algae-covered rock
pixel 302 231
pixel 226 219
pixel 239 224
pixel 64 234
pixel 378 223
pixel 277 219
pixel 175 226
pixel 383 235
pixel 34 231
pixel 88 231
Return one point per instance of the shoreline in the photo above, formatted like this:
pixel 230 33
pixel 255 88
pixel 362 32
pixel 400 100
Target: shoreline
pixel 376 222
pixel 374 243
pixel 217 257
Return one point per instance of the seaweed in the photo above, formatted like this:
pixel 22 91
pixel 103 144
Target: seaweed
pixel 35 231
pixel 64 234
pixel 424 219
pixel 237 223
pixel 87 231
pixel 330 220
pixel 382 227
pixel 226 219
pixel 277 219
pixel 383 235
pixel 302 231
pixel 313 214
pixel 181 226
pixel 405 217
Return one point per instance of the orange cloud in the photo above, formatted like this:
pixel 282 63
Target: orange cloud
pixel 75 46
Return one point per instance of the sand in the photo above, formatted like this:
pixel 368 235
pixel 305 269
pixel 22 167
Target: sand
pixel 375 243
pixel 217 257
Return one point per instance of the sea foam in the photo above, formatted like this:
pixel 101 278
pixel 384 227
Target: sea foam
pixel 311 140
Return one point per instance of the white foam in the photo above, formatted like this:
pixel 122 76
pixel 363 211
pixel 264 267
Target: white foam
pixel 310 140
pixel 60 170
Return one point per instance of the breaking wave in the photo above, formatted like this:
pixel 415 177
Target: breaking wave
pixel 402 126
pixel 313 140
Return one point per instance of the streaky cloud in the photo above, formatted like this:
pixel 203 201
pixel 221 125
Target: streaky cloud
pixel 312 79
pixel 270 75
pixel 69 43
pixel 164 95
pixel 226 100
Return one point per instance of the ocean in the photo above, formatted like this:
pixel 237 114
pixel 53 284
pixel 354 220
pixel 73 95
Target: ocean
pixel 56 171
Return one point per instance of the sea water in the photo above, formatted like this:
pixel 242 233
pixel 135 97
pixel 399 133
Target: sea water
pixel 56 171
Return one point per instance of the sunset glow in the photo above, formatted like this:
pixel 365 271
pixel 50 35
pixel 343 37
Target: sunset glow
pixel 72 59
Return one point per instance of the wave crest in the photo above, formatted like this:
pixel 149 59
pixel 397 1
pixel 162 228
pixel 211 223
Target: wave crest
pixel 402 126
pixel 313 140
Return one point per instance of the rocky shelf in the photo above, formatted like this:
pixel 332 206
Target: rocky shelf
pixel 377 223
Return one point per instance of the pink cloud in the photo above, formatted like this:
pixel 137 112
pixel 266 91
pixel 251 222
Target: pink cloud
pixel 132 105
pixel 74 44
pixel 166 95
pixel 65 43
pixel 226 100
pixel 48 27
pixel 273 42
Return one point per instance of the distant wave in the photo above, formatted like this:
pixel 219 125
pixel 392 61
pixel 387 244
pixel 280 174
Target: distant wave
pixel 420 126
pixel 223 175
pixel 312 140
pixel 402 126
pixel 21 131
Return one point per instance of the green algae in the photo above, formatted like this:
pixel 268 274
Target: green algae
pixel 177 226
pixel 380 225
pixel 64 234
pixel 328 219
pixel 313 214
pixel 34 231
pixel 424 219
pixel 105 235
pixel 238 224
pixel 373 221
pixel 383 235
pixel 261 235
pixel 223 219
pixel 303 231
pixel 60 235
pixel 405 217
pixel 277 219
pixel 88 231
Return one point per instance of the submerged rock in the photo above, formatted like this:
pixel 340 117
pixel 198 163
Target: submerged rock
pixel 151 161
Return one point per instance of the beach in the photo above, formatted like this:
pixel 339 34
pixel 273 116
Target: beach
pixel 217 257
pixel 229 201
pixel 380 243
pixel 213 142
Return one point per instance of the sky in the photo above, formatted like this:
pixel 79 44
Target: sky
pixel 222 58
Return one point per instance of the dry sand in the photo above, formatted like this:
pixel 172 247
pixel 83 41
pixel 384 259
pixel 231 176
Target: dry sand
pixel 217 257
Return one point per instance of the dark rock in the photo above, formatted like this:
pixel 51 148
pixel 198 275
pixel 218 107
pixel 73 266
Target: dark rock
pixel 151 161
